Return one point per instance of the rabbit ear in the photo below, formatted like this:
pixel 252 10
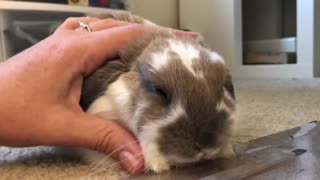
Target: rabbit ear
pixel 200 39
pixel 97 83
pixel 135 49
pixel 228 85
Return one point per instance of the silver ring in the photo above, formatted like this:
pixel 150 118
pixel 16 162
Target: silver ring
pixel 85 25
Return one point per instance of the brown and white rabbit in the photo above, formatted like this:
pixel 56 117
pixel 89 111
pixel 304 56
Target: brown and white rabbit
pixel 175 95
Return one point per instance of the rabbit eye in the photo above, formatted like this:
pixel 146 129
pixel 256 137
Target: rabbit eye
pixel 160 92
pixel 156 90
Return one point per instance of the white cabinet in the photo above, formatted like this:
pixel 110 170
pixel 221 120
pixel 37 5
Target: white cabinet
pixel 25 23
pixel 220 22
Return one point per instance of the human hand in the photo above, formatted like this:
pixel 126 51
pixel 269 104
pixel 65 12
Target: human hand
pixel 40 91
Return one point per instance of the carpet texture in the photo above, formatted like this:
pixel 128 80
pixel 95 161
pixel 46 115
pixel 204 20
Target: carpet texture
pixel 265 107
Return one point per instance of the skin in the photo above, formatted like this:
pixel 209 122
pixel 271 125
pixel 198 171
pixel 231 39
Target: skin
pixel 40 90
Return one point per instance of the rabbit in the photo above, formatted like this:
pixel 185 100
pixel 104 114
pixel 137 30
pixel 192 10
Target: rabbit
pixel 173 93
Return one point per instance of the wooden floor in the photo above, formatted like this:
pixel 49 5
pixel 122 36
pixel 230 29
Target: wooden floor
pixel 289 155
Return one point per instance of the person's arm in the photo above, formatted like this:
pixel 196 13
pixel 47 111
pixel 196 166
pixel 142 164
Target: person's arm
pixel 40 90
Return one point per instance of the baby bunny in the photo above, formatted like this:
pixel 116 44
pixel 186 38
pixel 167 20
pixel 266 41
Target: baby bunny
pixel 174 94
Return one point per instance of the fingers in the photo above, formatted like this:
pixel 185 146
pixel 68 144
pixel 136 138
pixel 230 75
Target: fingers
pixel 72 23
pixel 183 34
pixel 106 24
pixel 95 24
pixel 109 42
pixel 108 37
pixel 110 138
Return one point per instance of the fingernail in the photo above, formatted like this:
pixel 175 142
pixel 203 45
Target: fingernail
pixel 128 160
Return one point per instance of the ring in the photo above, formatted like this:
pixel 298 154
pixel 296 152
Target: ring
pixel 85 25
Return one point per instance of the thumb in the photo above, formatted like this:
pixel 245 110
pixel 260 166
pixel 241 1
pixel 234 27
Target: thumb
pixel 110 138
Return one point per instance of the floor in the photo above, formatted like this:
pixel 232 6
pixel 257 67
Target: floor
pixel 269 106
pixel 265 107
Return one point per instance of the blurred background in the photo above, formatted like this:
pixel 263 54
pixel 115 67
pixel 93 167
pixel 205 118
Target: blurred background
pixel 258 39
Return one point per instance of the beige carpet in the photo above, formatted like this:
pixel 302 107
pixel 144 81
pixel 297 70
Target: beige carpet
pixel 265 107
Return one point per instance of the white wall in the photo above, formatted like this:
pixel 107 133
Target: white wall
pixel 305 35
pixel 162 12
pixel 317 39
pixel 214 19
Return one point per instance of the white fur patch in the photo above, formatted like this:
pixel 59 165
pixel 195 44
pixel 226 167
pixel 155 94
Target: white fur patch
pixel 215 57
pixel 174 114
pixel 186 52
pixel 210 153
pixel 148 23
pixel 159 60
pixel 227 151
pixel 120 96
pixel 114 104
pixel 154 159
pixel 137 115
pixel 150 130
pixel 100 105
pixel 200 74
pixel 222 105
